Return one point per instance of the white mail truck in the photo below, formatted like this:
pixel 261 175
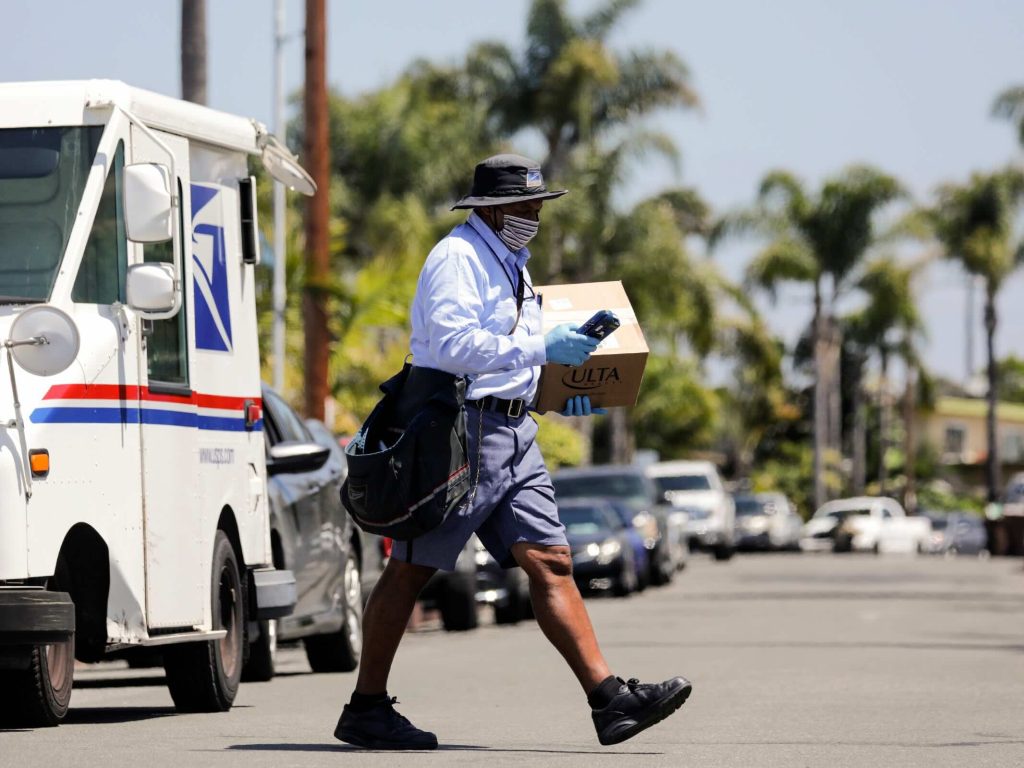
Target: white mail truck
pixel 133 502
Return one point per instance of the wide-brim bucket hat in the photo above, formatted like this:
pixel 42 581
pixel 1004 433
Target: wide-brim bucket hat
pixel 504 179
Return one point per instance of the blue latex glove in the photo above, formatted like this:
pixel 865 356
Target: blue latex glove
pixel 580 406
pixel 563 345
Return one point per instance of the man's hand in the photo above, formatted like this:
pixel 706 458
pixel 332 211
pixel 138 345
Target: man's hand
pixel 580 406
pixel 563 345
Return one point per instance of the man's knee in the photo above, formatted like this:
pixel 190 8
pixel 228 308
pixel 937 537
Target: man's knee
pixel 543 562
pixel 405 577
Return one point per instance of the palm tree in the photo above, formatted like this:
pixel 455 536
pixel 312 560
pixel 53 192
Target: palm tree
pixel 889 325
pixel 818 240
pixel 1009 105
pixel 569 85
pixel 975 223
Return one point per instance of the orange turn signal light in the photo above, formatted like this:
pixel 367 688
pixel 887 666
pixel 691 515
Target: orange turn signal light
pixel 39 460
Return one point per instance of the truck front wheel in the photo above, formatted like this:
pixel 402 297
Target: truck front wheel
pixel 204 676
pixel 38 696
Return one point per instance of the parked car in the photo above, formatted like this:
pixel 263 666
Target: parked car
pixel 865 524
pixel 957 533
pixel 311 535
pixel 506 590
pixel 641 557
pixel 664 536
pixel 766 521
pixel 696 487
pixel 602 554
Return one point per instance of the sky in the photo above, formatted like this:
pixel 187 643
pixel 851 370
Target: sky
pixel 810 86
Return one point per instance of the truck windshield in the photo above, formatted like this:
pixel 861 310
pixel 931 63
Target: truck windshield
pixel 42 177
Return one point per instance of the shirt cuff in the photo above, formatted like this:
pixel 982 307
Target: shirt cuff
pixel 536 354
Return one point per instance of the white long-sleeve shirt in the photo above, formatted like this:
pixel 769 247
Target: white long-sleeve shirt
pixel 465 307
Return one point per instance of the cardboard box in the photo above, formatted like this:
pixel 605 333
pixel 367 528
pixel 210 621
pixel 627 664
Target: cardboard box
pixel 612 375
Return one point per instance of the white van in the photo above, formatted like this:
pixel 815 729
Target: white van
pixel 696 487
pixel 133 503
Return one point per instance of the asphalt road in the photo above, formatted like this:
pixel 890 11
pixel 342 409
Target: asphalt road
pixel 796 661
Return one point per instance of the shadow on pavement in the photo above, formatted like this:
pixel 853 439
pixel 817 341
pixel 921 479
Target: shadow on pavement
pixel 440 748
pixel 110 715
pixel 120 682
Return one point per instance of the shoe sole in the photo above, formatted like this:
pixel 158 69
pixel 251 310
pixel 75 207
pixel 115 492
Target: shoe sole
pixel 659 711
pixel 358 741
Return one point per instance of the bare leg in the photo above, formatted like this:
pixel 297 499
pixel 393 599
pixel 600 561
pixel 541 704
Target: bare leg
pixel 387 614
pixel 560 611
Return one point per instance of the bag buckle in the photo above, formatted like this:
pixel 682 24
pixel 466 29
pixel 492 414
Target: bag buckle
pixel 515 408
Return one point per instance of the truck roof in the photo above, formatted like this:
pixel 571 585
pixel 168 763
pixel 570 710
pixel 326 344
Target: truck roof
pixel 84 102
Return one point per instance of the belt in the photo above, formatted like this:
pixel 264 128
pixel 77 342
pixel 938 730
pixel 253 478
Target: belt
pixel 511 408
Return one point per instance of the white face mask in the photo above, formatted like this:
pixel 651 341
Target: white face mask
pixel 517 232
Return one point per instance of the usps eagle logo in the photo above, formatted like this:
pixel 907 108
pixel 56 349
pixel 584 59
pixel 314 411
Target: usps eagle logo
pixel 533 178
pixel 210 272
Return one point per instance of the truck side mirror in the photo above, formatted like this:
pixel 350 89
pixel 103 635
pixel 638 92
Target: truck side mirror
pixel 151 287
pixel 148 210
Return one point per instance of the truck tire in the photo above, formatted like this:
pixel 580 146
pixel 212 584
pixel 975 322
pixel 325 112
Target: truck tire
pixel 340 651
pixel 262 654
pixel 38 697
pixel 457 602
pixel 204 676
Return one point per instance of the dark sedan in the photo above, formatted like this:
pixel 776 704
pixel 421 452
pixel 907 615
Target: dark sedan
pixel 602 553
pixel 312 536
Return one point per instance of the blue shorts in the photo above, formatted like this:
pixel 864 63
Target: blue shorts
pixel 513 500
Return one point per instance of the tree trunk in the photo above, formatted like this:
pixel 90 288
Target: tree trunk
pixel 884 405
pixel 193 50
pixel 621 436
pixel 820 400
pixel 910 440
pixel 859 447
pixel 992 460
pixel 317 161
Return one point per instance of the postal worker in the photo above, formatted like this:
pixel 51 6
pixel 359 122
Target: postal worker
pixel 475 314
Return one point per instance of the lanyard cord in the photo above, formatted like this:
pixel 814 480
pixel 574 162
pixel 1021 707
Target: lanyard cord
pixel 518 288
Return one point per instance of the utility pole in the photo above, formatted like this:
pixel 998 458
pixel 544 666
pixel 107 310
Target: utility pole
pixel 316 158
pixel 280 246
pixel 193 50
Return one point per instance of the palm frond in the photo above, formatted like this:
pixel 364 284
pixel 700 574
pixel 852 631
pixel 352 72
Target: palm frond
pixel 1009 105
pixel 598 24
pixel 782 260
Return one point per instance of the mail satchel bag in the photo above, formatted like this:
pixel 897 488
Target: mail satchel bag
pixel 408 465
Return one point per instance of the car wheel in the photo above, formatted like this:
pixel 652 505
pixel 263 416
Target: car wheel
pixel 457 602
pixel 724 552
pixel 204 676
pixel 340 651
pixel 517 606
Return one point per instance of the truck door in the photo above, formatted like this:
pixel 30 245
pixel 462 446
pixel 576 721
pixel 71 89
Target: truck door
pixel 177 560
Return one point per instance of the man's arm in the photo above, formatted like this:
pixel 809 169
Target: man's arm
pixel 451 299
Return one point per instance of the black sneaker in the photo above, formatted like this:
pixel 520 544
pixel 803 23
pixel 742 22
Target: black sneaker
pixel 637 706
pixel 381 727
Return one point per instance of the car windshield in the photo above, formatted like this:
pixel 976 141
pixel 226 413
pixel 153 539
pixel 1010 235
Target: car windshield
pixel 747 506
pixel 683 483
pixel 582 520
pixel 938 523
pixel 616 486
pixel 42 178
